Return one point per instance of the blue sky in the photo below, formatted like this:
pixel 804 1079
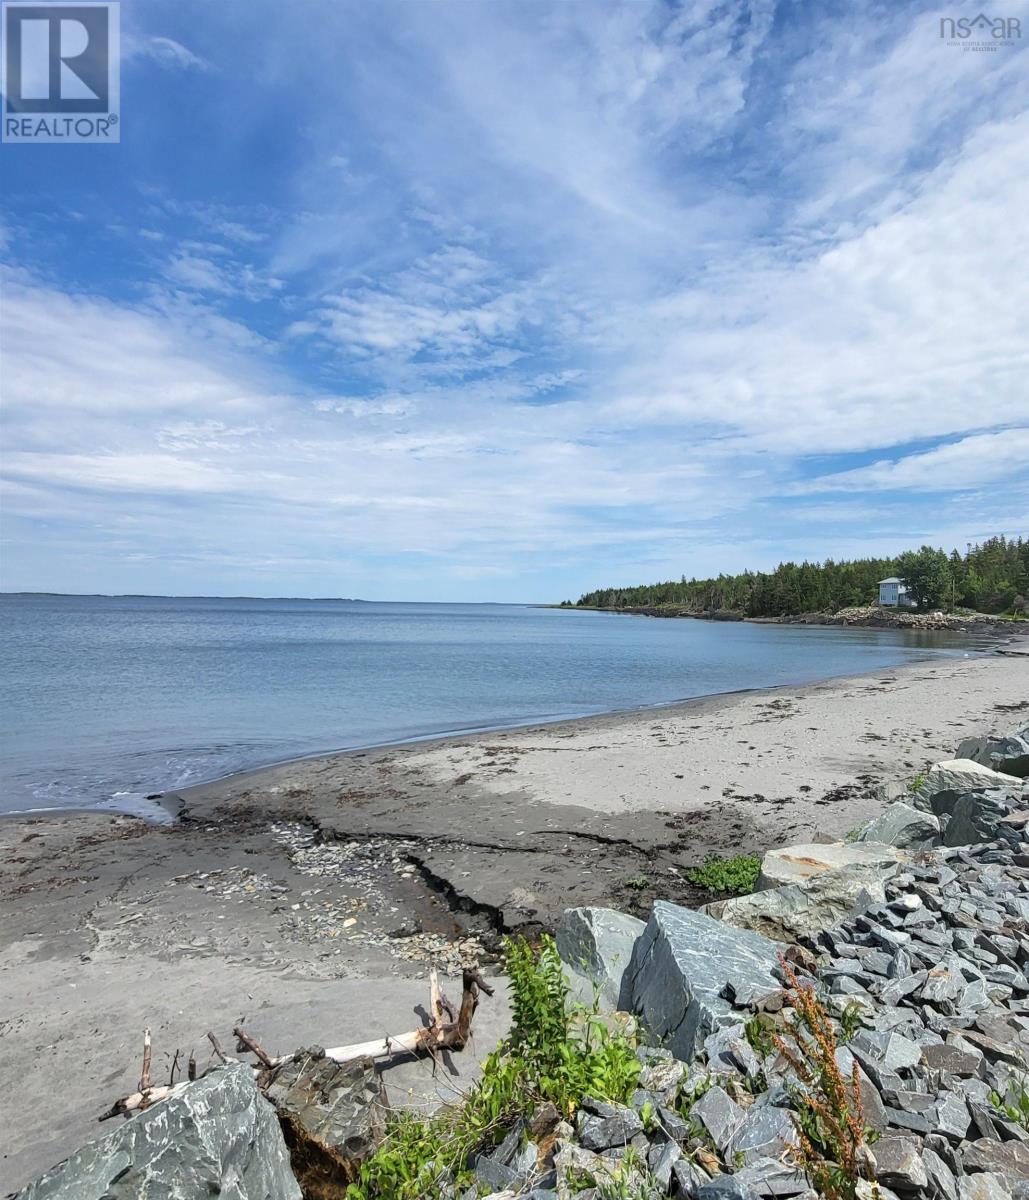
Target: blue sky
pixel 507 300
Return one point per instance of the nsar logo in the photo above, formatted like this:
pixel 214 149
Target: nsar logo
pixel 980 32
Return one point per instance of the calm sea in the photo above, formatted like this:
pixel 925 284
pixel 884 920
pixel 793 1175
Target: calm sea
pixel 107 699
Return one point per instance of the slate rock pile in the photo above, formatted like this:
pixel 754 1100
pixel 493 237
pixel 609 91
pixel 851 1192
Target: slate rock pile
pixel 923 966
pixel 933 984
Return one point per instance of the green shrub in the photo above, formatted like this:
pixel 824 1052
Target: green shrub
pixel 1014 1101
pixel 737 875
pixel 554 1052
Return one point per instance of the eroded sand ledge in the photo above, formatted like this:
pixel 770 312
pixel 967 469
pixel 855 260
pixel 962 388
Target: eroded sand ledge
pixel 107 924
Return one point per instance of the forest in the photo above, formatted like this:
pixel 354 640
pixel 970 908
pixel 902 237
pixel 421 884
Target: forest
pixel 991 578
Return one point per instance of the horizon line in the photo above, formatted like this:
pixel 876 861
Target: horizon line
pixel 241 596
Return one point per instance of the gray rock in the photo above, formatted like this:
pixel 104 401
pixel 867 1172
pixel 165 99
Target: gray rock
pixel 680 968
pixel 603 1133
pixel 524 1161
pixel 955 1060
pixel 977 816
pixel 952 1116
pixel 984 1186
pixel 871 1101
pixel 661 1160
pixel 333 1114
pixel 800 910
pixel 495 1175
pixel 770 1178
pixel 720 1115
pixel 899 1164
pixel 794 864
pixel 765 1132
pixel 689 1178
pixel 942 1181
pixel 885 1051
pixel 948 780
pixel 727 1049
pixel 674 1126
pixel 596 946
pixel 724 1187
pixel 901 825
pixel 908 1119
pixel 1008 755
pixel 1009 1159
pixel 217 1136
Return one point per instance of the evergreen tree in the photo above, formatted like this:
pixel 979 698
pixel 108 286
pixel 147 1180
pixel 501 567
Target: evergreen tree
pixel 926 574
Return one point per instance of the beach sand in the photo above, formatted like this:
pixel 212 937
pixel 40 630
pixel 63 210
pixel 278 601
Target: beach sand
pixel 307 897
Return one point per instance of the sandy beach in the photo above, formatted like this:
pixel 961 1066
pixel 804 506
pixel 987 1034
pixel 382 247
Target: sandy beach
pixel 309 897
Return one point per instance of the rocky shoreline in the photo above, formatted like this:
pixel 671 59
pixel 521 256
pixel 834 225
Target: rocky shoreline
pixel 911 940
pixel 870 616
pixel 275 893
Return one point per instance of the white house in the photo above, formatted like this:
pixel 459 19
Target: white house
pixel 893 594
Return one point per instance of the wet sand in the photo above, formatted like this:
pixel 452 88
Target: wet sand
pixel 309 897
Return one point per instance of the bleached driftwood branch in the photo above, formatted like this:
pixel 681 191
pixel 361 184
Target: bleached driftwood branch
pixel 445 1031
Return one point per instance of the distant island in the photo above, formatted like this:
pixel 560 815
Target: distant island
pixel 992 579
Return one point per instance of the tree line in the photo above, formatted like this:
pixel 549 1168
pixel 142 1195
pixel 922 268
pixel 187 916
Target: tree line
pixel 992 578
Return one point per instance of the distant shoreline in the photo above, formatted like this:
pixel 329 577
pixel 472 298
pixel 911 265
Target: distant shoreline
pixel 866 617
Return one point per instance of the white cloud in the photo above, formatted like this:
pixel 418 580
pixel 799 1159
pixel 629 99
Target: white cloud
pixel 906 330
pixel 955 467
pixel 164 51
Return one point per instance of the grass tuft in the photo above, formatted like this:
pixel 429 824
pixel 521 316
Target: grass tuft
pixel 737 875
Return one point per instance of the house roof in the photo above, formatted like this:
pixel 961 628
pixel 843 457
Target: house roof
pixel 892 579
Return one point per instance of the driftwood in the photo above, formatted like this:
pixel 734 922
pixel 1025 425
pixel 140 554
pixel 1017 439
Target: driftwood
pixel 147 1093
pixel 443 1033
pixel 446 1030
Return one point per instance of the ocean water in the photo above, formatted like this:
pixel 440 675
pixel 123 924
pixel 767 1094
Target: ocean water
pixel 104 700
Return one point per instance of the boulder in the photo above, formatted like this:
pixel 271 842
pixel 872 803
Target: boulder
pixel 801 910
pixel 1010 1159
pixel 976 816
pixel 765 1132
pixel 681 967
pixel 892 790
pixel 720 1115
pixel 901 825
pixel 333 1116
pixel 947 781
pixel 984 1186
pixel 795 864
pixel 595 945
pixel 217 1136
pixel 1008 755
pixel 899 1165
